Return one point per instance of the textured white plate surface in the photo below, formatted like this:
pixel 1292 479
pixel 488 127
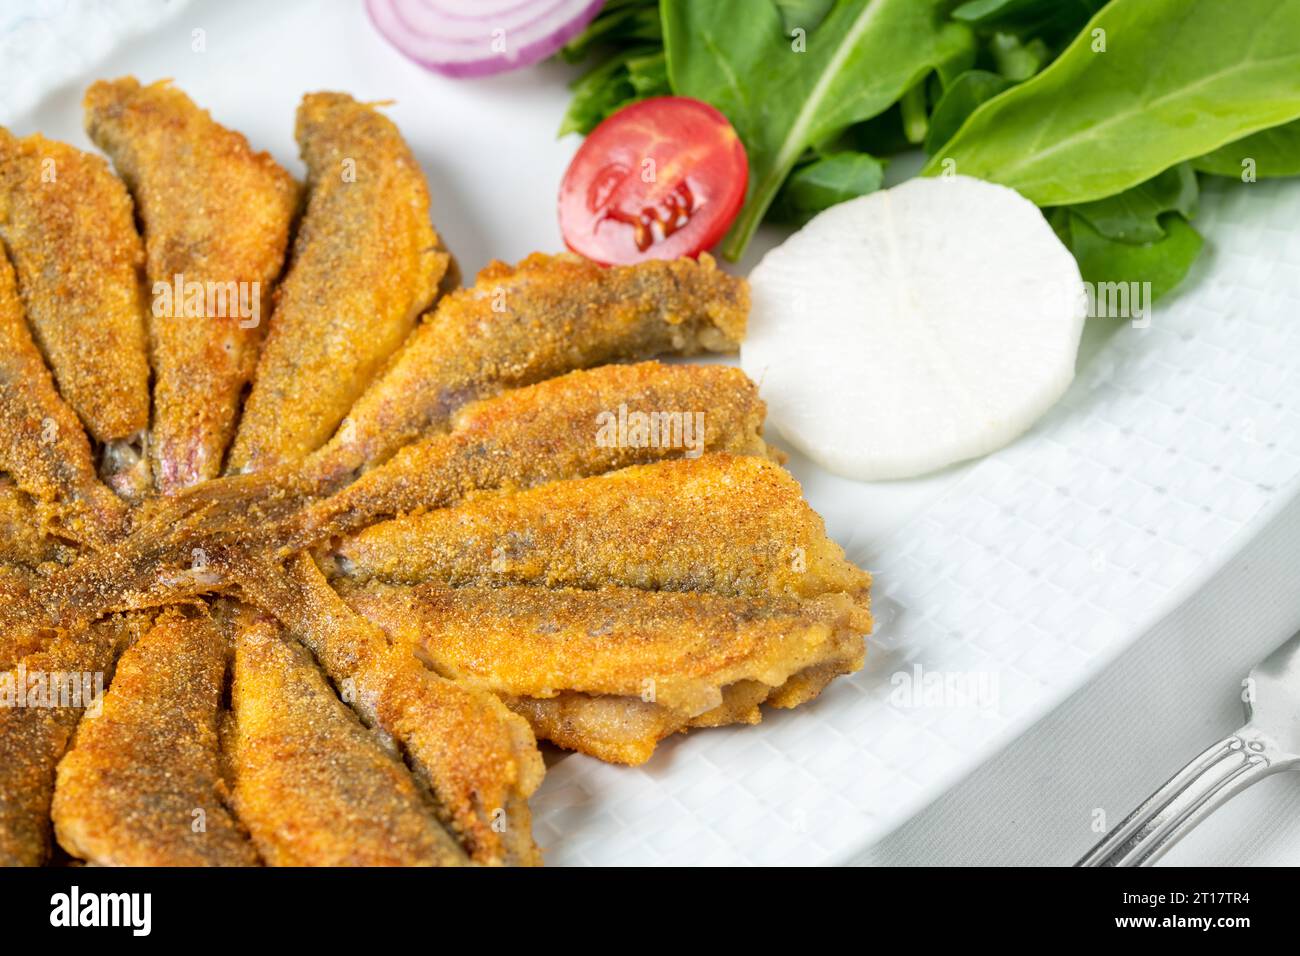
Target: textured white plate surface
pixel 1028 570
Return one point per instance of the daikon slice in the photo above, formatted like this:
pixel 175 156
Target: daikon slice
pixel 915 327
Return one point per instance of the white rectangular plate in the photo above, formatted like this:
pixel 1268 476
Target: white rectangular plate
pixel 1029 570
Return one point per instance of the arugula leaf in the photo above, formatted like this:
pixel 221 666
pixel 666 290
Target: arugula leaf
pixel 823 183
pixel 1276 152
pixel 619 22
pixel 959 100
pixel 598 92
pixel 648 74
pixel 1164 263
pixel 1177 79
pixel 629 75
pixel 860 60
pixel 1135 214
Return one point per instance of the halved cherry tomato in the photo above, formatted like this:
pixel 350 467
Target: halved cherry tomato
pixel 659 179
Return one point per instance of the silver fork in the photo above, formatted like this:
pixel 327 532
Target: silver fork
pixel 1268 743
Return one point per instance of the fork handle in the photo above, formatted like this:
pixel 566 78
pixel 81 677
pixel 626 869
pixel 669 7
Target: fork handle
pixel 1191 795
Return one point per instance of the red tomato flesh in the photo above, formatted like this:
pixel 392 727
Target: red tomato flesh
pixel 659 179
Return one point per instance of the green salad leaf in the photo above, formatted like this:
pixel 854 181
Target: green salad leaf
pixel 967 92
pixel 824 182
pixel 1162 82
pixel 785 94
pixel 1136 214
pixel 1270 152
pixel 1102 112
pixel 1164 263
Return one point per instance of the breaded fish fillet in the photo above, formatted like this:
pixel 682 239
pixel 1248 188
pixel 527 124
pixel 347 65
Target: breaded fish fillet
pixel 626 730
pixel 566 427
pixel 478 761
pixel 313 786
pixel 42 445
pixel 521 324
pixel 216 214
pixel 692 656
pixel 366 262
pixel 68 225
pixel 721 523
pixel 141 784
pixel 68 674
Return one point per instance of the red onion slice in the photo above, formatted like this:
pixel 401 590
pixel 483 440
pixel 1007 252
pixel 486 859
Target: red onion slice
pixel 480 37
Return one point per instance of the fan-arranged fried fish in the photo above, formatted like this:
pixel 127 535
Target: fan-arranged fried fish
pixel 313 786
pixel 477 759
pixel 721 523
pixel 689 656
pixel 141 784
pixel 42 446
pixel 68 225
pixel 522 324
pixel 57 684
pixel 583 423
pixel 366 262
pixel 216 224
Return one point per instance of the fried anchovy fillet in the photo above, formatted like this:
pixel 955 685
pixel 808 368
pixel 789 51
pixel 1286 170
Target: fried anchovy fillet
pixel 721 523
pixel 521 324
pixel 68 224
pixel 478 760
pixel 313 786
pixel 366 263
pixel 141 784
pixel 583 423
pixel 34 736
pixel 215 213
pixel 679 648
pixel 42 446
pixel 626 730
pixel 692 657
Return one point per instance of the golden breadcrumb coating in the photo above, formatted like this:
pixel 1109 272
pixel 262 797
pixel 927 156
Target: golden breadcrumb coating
pixel 23 540
pixel 692 656
pixel 521 324
pixel 34 737
pixel 214 212
pixel 478 760
pixel 42 445
pixel 721 523
pixel 366 262
pixel 313 786
pixel 68 225
pixel 141 784
pixel 528 436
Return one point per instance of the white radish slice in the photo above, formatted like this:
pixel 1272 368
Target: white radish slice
pixel 916 327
